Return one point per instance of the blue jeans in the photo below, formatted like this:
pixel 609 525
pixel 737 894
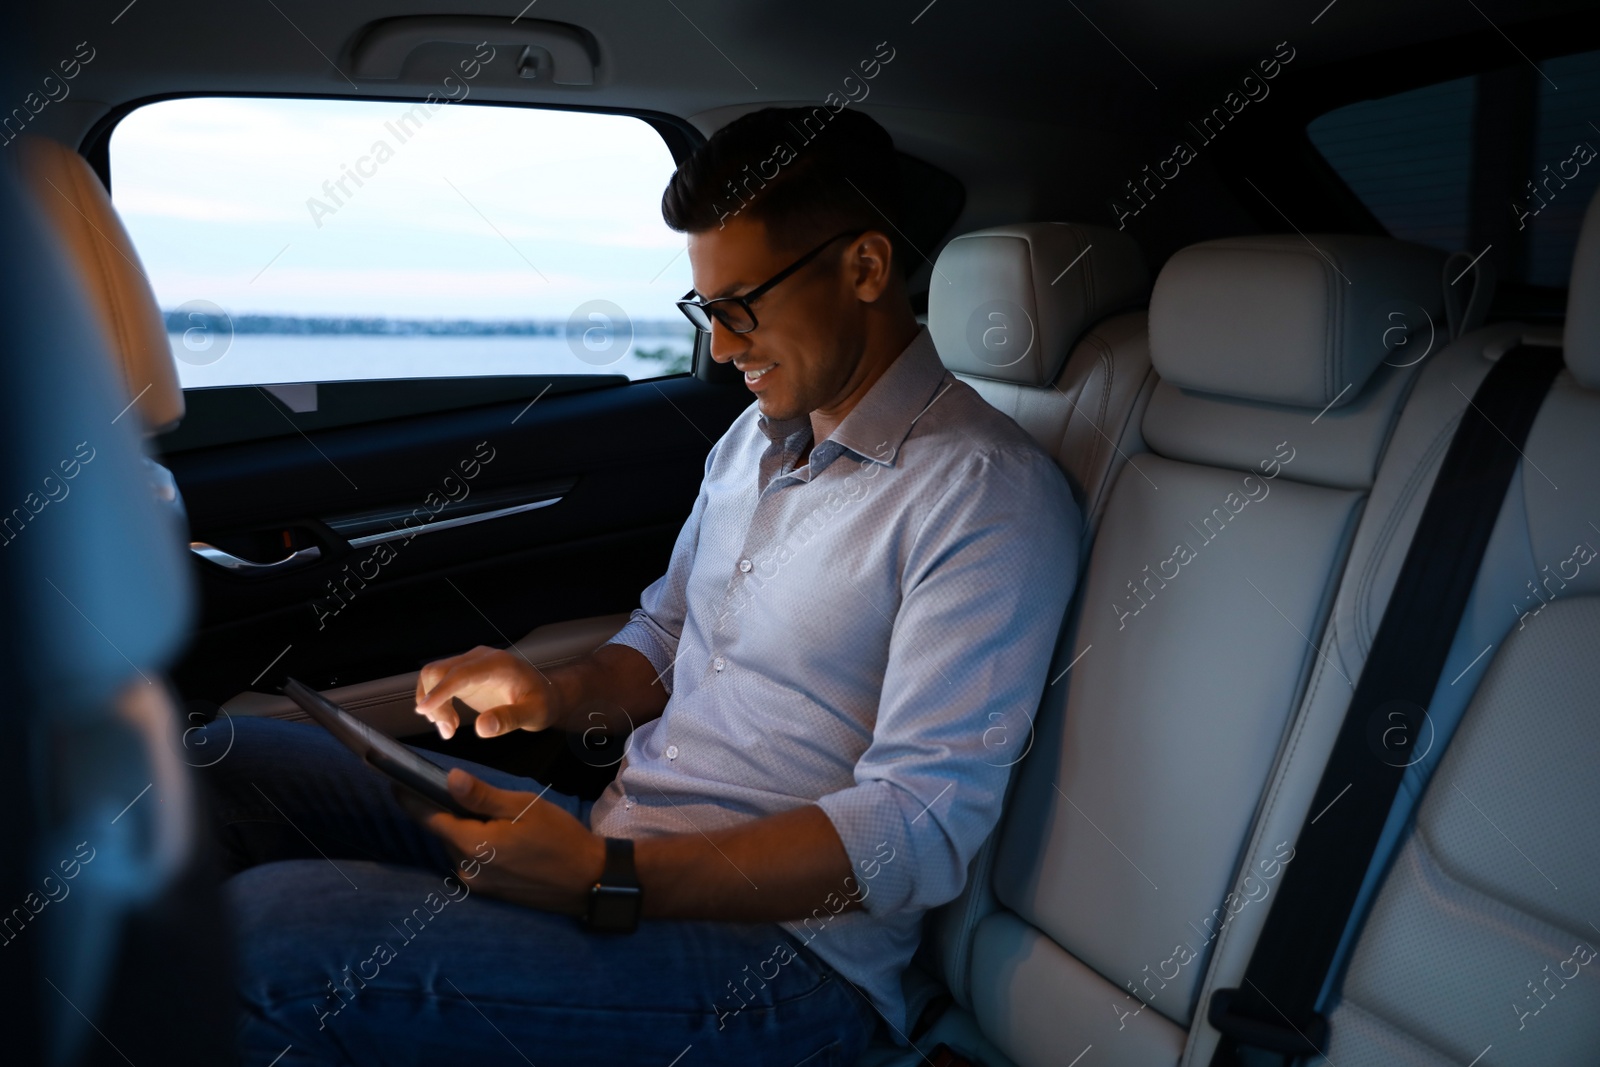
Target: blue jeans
pixel 357 943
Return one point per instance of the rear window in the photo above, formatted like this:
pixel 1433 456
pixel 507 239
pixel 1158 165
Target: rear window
pixel 1503 161
pixel 294 240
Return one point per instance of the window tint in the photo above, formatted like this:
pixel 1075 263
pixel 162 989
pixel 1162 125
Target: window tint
pixel 1505 160
pixel 1409 159
pixel 298 240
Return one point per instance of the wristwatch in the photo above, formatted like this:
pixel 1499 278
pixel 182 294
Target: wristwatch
pixel 616 899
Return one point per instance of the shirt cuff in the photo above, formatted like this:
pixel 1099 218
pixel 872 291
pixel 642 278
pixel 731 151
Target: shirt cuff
pixel 643 636
pixel 872 823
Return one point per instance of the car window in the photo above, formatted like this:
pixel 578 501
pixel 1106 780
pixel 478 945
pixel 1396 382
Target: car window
pixel 1503 162
pixel 306 241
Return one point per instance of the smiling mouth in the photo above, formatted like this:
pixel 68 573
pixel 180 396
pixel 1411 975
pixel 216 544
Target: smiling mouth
pixel 753 375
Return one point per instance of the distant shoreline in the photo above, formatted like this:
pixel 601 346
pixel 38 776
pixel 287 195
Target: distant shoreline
pixel 377 326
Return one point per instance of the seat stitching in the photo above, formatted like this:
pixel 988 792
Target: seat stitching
pixel 1090 289
pixel 1097 445
pixel 1429 855
pixel 1462 880
pixel 1320 667
pixel 970 917
pixel 1388 528
pixel 1274 791
pixel 1102 444
pixel 1330 333
pixel 1393 1026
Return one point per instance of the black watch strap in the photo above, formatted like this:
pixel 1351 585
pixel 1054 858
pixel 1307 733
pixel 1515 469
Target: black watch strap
pixel 619 870
pixel 616 900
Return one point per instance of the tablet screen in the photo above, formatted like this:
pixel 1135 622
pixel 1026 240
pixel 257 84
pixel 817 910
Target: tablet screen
pixel 363 739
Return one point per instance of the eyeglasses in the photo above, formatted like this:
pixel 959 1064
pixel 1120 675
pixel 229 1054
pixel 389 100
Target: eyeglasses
pixel 734 311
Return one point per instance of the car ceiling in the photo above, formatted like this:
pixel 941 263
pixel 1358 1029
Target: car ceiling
pixel 1041 109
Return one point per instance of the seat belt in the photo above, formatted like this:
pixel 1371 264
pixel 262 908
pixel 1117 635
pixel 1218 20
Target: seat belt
pixel 1275 1008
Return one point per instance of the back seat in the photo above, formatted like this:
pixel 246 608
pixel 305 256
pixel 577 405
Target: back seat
pixel 1211 575
pixel 1485 893
pixel 1067 291
pixel 1070 298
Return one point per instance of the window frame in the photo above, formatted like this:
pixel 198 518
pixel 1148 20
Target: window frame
pixel 679 135
pixel 1279 157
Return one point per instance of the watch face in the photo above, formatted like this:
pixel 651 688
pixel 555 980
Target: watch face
pixel 614 907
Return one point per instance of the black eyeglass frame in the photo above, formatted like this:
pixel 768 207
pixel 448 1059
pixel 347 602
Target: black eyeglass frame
pixel 707 308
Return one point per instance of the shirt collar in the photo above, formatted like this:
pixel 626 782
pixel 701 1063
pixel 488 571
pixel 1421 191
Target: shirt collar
pixel 879 424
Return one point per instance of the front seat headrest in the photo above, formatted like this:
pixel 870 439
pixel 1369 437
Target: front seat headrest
pixel 1285 319
pixel 1582 336
pixel 79 214
pixel 1008 303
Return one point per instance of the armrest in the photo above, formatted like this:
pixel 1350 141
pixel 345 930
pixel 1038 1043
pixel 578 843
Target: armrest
pixel 388 704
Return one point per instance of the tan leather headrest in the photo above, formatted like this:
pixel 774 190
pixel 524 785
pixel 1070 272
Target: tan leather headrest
pixel 76 206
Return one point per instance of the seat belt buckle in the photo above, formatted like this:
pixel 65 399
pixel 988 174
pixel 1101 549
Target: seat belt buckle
pixel 1310 1037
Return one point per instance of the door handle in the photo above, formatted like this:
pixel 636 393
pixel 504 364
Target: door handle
pixel 228 561
pixel 409 532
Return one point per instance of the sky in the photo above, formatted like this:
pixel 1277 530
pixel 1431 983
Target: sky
pixel 479 212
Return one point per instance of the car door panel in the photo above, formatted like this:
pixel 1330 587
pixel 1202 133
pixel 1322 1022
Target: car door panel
pixel 614 470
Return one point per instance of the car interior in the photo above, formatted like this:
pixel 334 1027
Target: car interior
pixel 1267 265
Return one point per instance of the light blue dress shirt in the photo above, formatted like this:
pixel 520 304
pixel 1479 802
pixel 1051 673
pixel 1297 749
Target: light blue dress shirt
pixel 870 633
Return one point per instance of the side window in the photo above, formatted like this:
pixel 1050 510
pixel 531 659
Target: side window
pixel 1503 163
pixel 295 241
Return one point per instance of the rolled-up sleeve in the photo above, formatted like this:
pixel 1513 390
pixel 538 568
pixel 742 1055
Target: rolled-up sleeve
pixel 656 625
pixel 986 584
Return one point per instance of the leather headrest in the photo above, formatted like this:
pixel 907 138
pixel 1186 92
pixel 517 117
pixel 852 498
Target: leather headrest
pixel 78 212
pixel 1287 319
pixel 1008 303
pixel 1582 336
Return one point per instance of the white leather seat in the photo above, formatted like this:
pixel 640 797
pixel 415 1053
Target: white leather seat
pixel 1485 907
pixel 1068 290
pixel 1063 291
pixel 1211 574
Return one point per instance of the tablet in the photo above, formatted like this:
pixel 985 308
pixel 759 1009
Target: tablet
pixel 402 764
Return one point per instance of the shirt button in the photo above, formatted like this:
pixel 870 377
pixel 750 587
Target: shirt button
pixel 744 566
pixel 628 803
pixel 672 751
pixel 719 663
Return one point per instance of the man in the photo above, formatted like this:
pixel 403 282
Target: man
pixel 826 689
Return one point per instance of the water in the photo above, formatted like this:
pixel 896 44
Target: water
pixel 265 358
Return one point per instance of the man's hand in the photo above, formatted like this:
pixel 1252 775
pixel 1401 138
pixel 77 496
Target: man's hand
pixel 509 692
pixel 531 852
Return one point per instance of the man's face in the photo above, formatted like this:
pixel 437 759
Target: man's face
pixel 811 326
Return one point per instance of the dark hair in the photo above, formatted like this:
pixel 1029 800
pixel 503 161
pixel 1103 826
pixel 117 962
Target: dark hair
pixel 804 172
